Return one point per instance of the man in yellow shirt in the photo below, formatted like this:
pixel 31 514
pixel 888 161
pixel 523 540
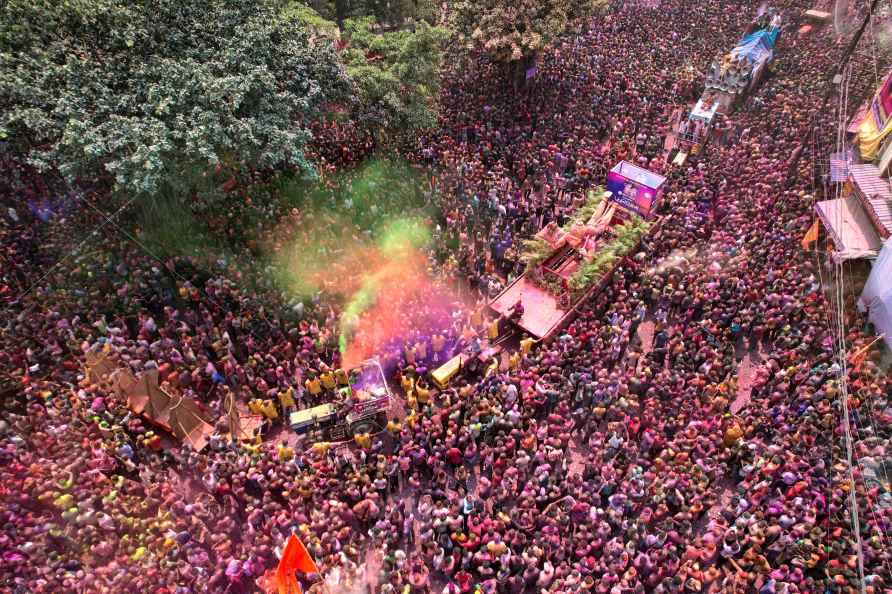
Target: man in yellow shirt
pixel 363 440
pixel 526 345
pixel 286 399
pixel 314 387
pixel 407 383
pixel 328 380
pixel 269 410
pixel 320 448
pixel 492 368
pixel 733 433
pixel 422 393
pixel 255 405
pixel 394 427
pixel 341 377
pixel 492 330
pixel 514 361
pixel 412 400
pixel 284 452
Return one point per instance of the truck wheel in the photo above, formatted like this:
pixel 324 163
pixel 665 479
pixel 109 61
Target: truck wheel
pixel 365 426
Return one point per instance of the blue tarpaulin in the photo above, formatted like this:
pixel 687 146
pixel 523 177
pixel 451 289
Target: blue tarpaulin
pixel 768 35
pixel 757 47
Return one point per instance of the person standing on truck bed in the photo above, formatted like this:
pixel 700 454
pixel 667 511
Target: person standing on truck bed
pixel 328 379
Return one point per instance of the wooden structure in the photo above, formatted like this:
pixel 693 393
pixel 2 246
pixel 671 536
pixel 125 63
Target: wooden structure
pixel 175 414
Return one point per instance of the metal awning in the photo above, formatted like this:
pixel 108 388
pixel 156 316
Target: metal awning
pixel 886 157
pixel 839 166
pixel 850 227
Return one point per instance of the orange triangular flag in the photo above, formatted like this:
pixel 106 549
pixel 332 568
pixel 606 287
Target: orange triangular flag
pixel 811 235
pixel 295 559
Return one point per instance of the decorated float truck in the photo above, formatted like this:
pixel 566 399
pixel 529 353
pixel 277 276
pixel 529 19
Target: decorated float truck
pixel 566 265
pixel 729 80
pixel 363 408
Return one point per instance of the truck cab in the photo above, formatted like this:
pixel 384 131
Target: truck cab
pixel 363 410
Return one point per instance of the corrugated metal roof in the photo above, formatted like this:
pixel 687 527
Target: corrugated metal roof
pixel 875 195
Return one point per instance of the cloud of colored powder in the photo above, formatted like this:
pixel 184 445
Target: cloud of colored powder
pixel 361 242
pixel 381 278
pixel 391 298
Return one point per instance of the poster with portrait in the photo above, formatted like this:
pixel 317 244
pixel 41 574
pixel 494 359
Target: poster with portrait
pixel 631 194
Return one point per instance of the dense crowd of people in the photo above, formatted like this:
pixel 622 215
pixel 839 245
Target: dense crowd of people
pixel 624 456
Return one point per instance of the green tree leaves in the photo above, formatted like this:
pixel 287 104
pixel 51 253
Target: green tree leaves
pixel 396 74
pixel 144 90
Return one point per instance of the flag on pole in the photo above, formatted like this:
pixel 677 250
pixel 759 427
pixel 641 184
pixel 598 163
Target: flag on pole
pixel 857 358
pixel 295 559
pixel 811 235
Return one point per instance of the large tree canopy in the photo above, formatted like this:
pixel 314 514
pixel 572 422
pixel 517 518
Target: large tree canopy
pixel 390 12
pixel 511 30
pixel 396 74
pixel 148 89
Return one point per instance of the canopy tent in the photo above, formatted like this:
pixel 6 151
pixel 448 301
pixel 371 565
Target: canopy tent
pixel 886 159
pixel 849 226
pixel 839 166
pixel 187 424
pixel 145 396
pixel 876 298
pixel 176 414
pixel 242 424
pixel 98 365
